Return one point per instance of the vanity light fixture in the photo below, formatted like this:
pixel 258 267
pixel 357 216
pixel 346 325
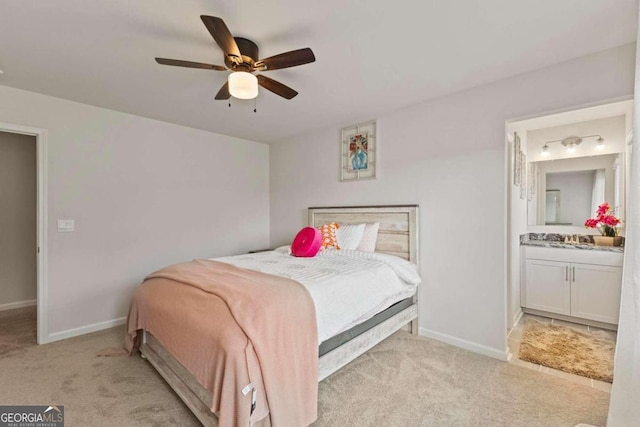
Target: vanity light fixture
pixel 572 143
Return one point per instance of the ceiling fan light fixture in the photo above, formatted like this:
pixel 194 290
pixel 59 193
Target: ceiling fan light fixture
pixel 241 57
pixel 545 150
pixel 243 85
pixel 600 143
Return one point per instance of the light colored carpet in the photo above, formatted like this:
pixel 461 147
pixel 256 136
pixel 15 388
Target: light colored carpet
pixel 405 381
pixel 585 353
pixel 17 331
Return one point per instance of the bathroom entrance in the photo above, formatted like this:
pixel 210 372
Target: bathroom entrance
pixel 568 175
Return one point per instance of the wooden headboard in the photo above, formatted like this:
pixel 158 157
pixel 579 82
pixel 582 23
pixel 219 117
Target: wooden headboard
pixel 398 233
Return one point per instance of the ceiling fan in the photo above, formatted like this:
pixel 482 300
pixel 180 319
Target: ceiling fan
pixel 241 58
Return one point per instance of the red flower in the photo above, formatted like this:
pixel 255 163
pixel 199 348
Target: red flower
pixel 603 209
pixel 591 223
pixel 605 221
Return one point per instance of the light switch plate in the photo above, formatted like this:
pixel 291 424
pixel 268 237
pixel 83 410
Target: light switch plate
pixel 66 225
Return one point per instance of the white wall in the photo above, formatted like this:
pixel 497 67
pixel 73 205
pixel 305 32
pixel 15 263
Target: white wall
pixel 143 193
pixel 448 155
pixel 623 408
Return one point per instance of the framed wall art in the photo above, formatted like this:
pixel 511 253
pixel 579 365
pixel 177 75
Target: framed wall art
pixel 517 161
pixel 532 178
pixel 358 152
pixel 523 177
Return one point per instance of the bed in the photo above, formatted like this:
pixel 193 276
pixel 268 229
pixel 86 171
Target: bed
pixel 397 236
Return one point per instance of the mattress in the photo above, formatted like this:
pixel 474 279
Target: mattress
pixel 347 287
pixel 346 336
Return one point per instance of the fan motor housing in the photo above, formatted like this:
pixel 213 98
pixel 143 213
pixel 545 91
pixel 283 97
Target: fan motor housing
pixel 249 51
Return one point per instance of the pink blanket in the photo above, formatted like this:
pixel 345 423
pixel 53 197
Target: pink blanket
pixel 230 326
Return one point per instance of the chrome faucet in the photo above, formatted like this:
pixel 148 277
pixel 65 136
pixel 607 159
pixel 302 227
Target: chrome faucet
pixel 572 239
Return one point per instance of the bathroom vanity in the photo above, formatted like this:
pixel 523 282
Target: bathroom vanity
pixel 575 282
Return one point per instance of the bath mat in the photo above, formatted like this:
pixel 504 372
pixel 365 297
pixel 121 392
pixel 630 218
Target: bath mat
pixel 585 353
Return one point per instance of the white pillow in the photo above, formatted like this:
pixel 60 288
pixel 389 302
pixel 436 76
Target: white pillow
pixel 349 236
pixel 369 237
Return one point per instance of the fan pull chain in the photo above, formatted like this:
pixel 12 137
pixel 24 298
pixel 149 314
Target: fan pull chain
pixel 229 102
pixel 255 105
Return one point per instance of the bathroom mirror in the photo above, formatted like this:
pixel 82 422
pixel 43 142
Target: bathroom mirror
pixel 570 190
pixel 552 207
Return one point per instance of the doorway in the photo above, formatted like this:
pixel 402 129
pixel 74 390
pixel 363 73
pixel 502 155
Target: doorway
pixel 18 245
pixel 23 296
pixel 565 171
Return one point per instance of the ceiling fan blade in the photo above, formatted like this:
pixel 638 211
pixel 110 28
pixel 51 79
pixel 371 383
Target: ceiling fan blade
pixel 189 64
pixel 276 87
pixel 223 93
pixel 221 35
pixel 287 59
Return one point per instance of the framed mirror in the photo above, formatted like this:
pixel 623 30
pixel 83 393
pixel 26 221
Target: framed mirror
pixel 572 189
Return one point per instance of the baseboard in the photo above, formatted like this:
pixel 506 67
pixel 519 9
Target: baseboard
pixel 467 345
pixel 516 318
pixel 19 304
pixel 595 323
pixel 95 327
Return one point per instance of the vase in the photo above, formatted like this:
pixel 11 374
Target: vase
pixel 607 240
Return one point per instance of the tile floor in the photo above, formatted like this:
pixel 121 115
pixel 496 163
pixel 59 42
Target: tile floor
pixel 515 336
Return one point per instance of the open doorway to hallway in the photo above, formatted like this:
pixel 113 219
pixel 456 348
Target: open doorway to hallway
pixel 18 241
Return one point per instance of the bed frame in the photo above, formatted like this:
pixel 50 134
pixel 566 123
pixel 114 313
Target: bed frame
pixel 398 235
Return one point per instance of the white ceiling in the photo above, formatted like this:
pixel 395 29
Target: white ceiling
pixel 373 56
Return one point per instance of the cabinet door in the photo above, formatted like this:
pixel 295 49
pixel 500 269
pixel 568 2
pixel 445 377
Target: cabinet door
pixel 547 286
pixel 595 292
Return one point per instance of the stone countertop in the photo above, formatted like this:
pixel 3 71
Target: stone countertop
pixel 583 246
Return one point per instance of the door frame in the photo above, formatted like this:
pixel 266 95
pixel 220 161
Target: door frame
pixel 41 228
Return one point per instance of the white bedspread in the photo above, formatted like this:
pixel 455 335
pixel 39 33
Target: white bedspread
pixel 347 287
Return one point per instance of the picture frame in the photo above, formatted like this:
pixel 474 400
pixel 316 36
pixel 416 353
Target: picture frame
pixel 359 152
pixel 532 178
pixel 523 177
pixel 517 161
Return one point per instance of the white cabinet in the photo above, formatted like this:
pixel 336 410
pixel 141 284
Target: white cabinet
pixel 573 282
pixel 595 292
pixel 547 286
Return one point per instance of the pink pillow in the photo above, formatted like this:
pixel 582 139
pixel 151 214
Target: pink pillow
pixel 307 242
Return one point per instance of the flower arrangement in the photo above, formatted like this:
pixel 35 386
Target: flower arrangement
pixel 604 221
